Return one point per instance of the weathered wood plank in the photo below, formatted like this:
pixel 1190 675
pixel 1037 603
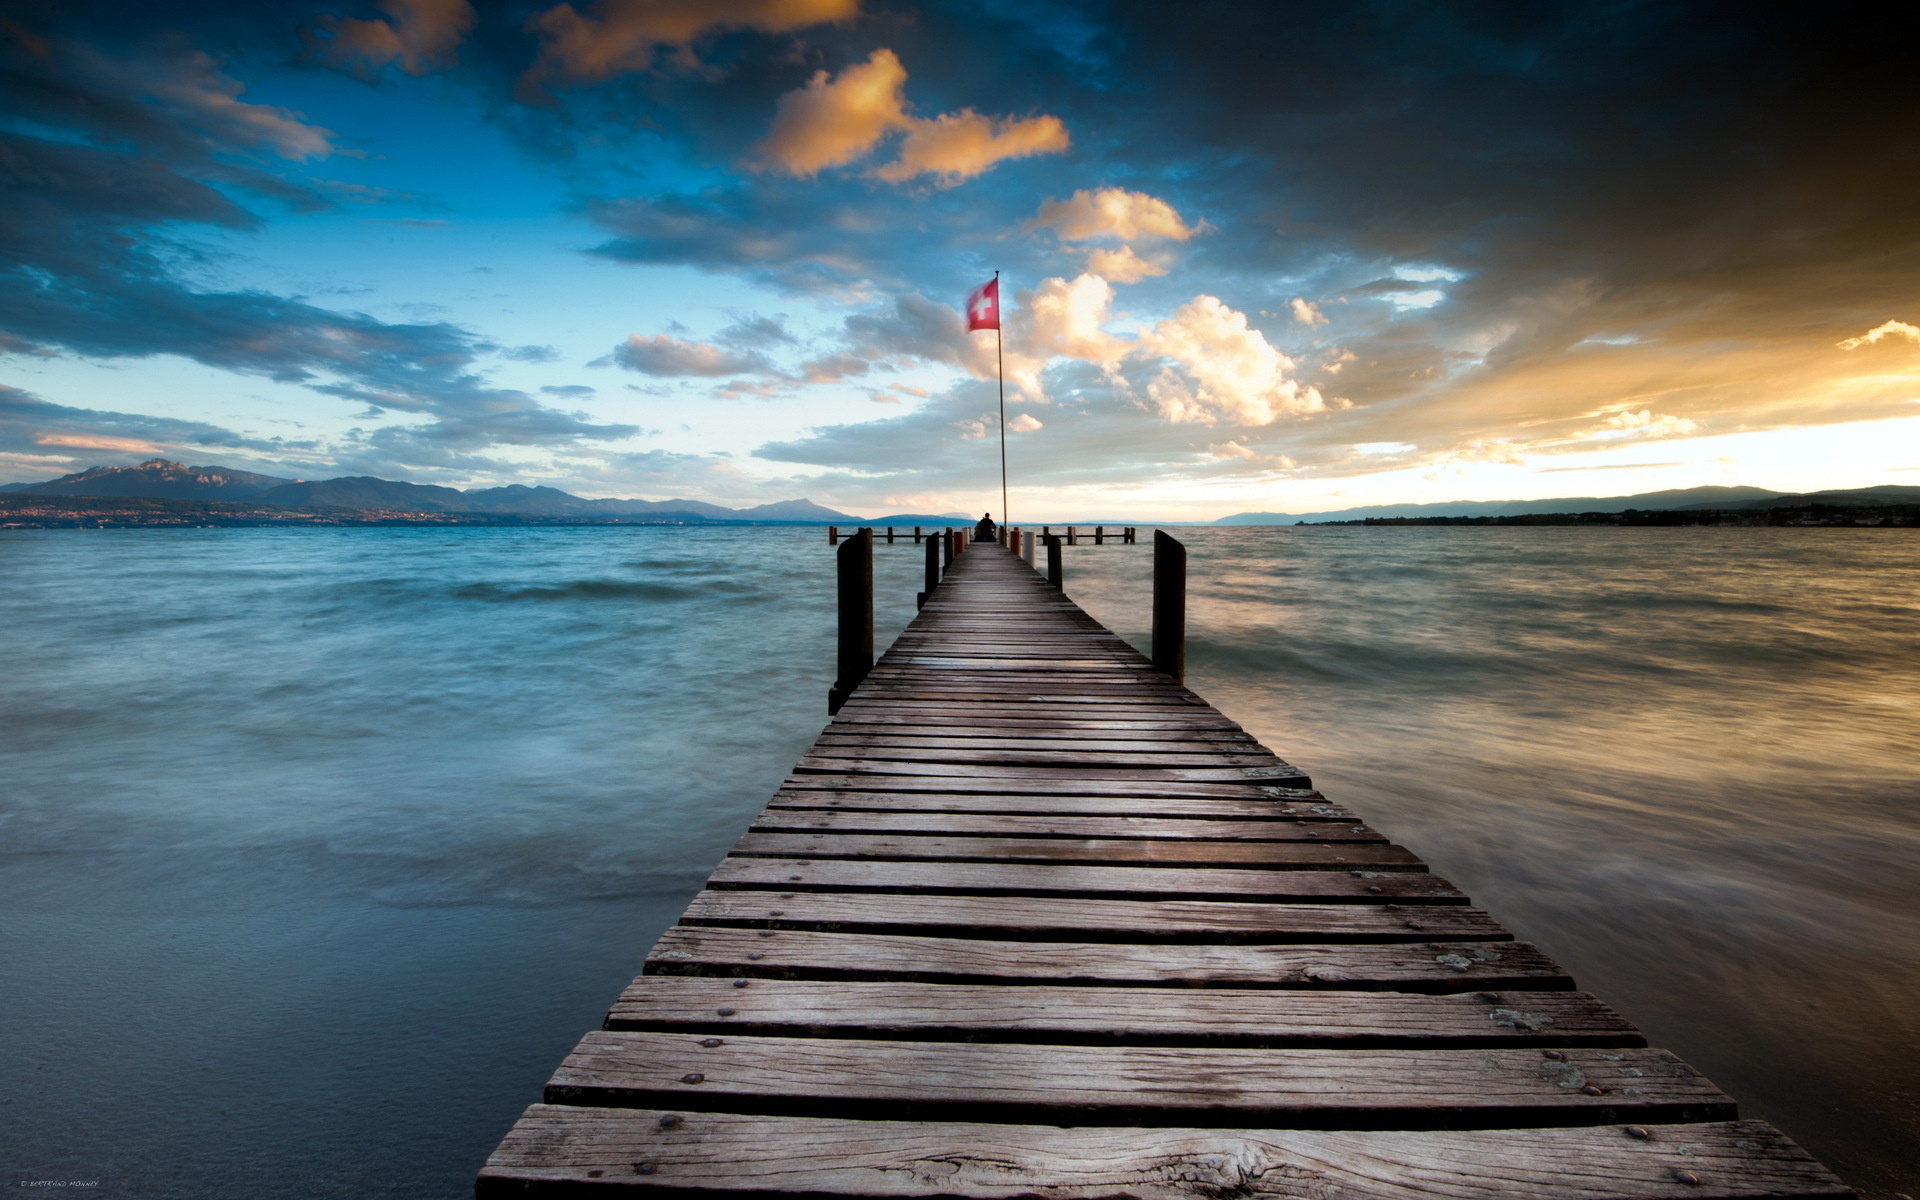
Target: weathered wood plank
pixel 1119 1015
pixel 806 954
pixel 1093 882
pixel 1307 805
pixel 1041 785
pixel 1274 829
pixel 1007 755
pixel 556 1148
pixel 1032 742
pixel 1382 1089
pixel 989 729
pixel 1277 774
pixel 1184 852
pixel 1062 919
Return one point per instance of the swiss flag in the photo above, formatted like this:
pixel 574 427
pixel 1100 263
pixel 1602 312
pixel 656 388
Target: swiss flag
pixel 983 306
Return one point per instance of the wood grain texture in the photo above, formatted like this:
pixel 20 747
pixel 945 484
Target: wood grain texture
pixel 1362 886
pixel 1230 1086
pixel 1055 918
pixel 1305 805
pixel 1275 828
pixel 1301 855
pixel 809 954
pixel 559 1150
pixel 1114 1015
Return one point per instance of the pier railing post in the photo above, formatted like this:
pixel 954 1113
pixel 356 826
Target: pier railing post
pixel 833 535
pixel 933 572
pixel 1055 575
pixel 856 617
pixel 946 549
pixel 1169 605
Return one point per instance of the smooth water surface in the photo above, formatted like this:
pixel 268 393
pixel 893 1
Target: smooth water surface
pixel 320 847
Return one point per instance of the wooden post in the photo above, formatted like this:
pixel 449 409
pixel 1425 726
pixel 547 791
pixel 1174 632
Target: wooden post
pixel 889 535
pixel 946 549
pixel 933 570
pixel 1054 574
pixel 1099 535
pixel 1169 605
pixel 1071 539
pixel 833 535
pixel 1027 544
pixel 1013 541
pixel 916 535
pixel 856 617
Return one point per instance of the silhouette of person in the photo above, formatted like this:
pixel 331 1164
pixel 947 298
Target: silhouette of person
pixel 986 530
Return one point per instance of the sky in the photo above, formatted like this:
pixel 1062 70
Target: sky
pixel 1271 256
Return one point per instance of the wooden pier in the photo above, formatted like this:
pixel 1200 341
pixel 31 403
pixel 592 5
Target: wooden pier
pixel 1031 919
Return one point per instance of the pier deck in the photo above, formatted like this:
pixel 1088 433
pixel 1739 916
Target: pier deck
pixel 1030 919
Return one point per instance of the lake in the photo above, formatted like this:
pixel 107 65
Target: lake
pixel 319 848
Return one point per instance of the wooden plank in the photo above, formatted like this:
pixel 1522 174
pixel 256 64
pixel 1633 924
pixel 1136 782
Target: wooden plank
pixel 1119 1015
pixel 988 801
pixel 985 730
pixel 1273 829
pixel 1277 774
pixel 1152 1085
pixel 1018 756
pixel 1031 741
pixel 1043 786
pixel 806 954
pixel 1184 852
pixel 1096 882
pixel 1027 917
pixel 554 1148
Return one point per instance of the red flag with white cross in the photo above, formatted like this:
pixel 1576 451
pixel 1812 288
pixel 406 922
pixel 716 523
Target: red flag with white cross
pixel 983 306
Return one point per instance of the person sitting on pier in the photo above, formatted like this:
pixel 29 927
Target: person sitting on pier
pixel 986 530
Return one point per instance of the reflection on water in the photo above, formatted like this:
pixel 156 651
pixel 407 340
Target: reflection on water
pixel 320 847
pixel 1686 761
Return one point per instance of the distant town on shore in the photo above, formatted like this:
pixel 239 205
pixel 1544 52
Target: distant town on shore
pixel 161 493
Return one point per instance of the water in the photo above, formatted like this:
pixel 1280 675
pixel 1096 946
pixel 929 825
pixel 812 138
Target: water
pixel 319 848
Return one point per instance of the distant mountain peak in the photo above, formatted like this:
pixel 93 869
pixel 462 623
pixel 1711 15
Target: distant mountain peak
pixel 160 478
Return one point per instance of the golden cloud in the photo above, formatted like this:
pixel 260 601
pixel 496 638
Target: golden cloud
pixel 623 35
pixel 835 120
pixel 1121 266
pixel 1890 329
pixel 1111 213
pixel 965 144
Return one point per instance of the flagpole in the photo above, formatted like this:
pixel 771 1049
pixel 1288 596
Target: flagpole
pixel 999 354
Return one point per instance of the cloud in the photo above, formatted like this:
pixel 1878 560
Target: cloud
pixel 531 354
pixel 419 36
pixel 1648 424
pixel 1111 213
pixel 617 36
pixel 1228 371
pixel 835 120
pixel 962 145
pixel 663 354
pixel 1121 266
pixel 1023 423
pixel 30 425
pixel 1306 312
pixel 840 119
pixel 1890 329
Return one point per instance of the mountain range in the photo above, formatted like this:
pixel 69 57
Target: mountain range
pixel 1682 500
pixel 160 479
